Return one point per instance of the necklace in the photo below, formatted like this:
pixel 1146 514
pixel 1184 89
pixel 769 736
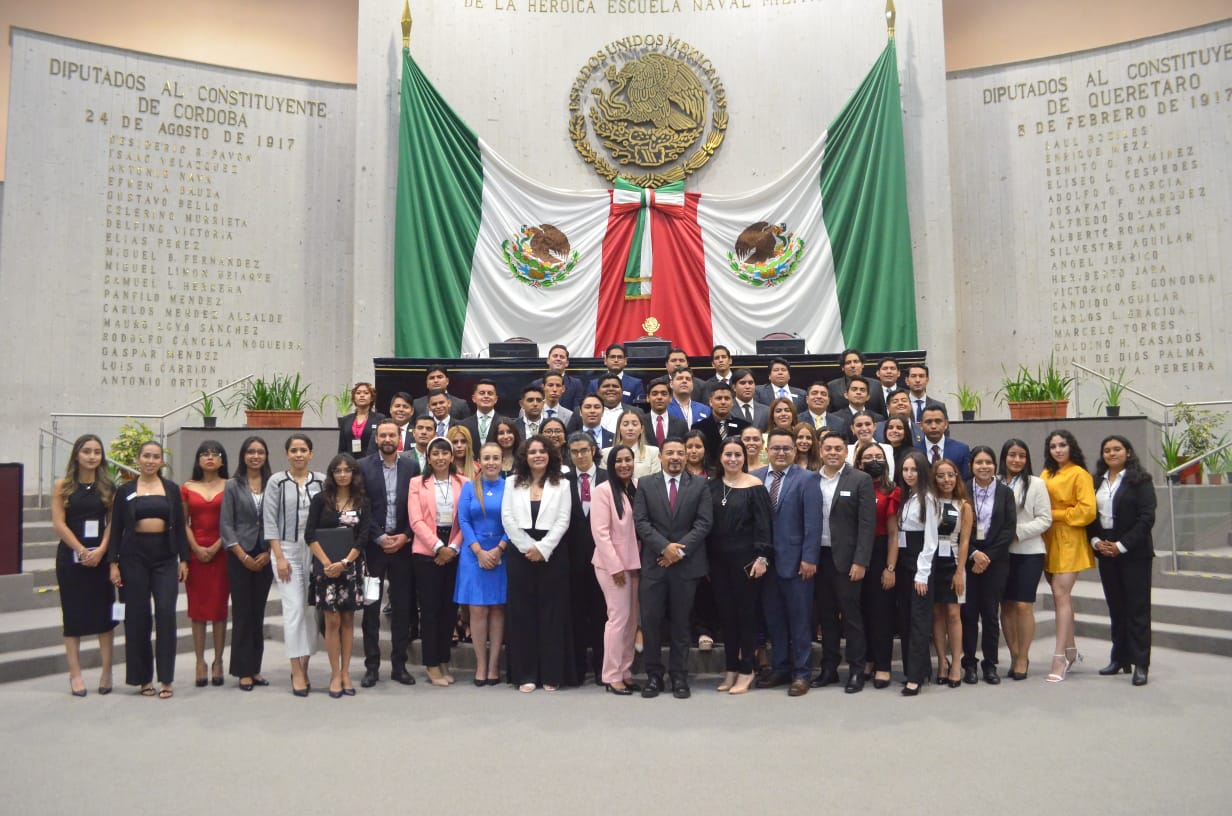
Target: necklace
pixel 727 489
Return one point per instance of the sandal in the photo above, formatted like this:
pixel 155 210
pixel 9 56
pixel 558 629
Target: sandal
pixel 1055 677
pixel 166 694
pixel 705 643
pixel 526 688
pixel 147 691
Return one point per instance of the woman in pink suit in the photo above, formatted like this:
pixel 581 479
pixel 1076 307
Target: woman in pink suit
pixel 617 563
pixel 432 503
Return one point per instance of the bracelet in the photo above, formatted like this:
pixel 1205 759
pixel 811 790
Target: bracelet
pixel 890 567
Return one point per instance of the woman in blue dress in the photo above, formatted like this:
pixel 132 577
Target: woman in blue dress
pixel 481 568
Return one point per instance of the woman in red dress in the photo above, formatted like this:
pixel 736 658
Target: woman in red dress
pixel 207 584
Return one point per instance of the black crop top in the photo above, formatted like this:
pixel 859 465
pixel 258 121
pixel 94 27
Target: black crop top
pixel 151 507
pixel 949 519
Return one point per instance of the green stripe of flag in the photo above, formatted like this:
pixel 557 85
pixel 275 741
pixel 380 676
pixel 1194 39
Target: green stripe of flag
pixel 864 198
pixel 439 199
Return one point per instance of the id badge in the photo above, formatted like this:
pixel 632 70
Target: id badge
pixel 357 445
pixel 944 549
pixel 117 612
pixel 981 532
pixel 91 529
pixel 372 590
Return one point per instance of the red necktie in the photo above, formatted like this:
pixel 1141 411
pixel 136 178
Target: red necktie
pixel 401 436
pixel 585 491
pixel 659 429
pixel 671 494
pixel 936 454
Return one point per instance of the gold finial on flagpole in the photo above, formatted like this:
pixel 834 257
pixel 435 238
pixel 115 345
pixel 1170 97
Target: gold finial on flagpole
pixel 890 14
pixel 406 24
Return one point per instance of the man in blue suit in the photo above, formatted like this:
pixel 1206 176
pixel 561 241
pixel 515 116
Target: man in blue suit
pixel 795 499
pixel 938 446
pixel 616 358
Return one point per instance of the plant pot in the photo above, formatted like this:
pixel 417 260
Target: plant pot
pixel 968 416
pixel 274 419
pixel 1191 475
pixel 1044 409
pixel 1112 410
pixel 210 422
pixel 1214 478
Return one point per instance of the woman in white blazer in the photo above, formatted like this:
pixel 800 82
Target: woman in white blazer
pixel 535 513
pixel 1026 553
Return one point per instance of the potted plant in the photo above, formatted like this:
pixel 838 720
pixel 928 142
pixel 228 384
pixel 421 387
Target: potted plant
pixel 1194 434
pixel 1170 458
pixel 1043 394
pixel 208 406
pixel 1114 388
pixel 277 402
pixel 124 448
pixel 341 401
pixel 968 401
pixel 1219 466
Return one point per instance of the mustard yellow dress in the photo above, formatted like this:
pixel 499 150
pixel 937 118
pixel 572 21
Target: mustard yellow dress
pixel 1072 493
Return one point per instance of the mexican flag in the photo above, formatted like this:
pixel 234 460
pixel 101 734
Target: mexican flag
pixel 484 254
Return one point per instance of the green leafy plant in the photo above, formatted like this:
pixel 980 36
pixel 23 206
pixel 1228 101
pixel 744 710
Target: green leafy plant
pixel 1056 386
pixel 1220 462
pixel 125 447
pixel 1114 388
pixel 1170 451
pixel 1045 384
pixel 281 392
pixel 341 400
pixel 1198 429
pixel 968 398
pixel 208 406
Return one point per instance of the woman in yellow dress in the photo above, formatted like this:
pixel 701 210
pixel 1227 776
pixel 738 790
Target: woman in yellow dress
pixel 1067 551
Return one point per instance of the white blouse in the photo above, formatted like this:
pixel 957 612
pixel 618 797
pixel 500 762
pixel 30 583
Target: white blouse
pixel 909 522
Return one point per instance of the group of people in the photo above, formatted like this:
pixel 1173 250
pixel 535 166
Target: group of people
pixel 604 519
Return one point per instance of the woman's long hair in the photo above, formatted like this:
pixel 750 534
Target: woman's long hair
pixel 477 479
pixel 886 482
pixel 791 403
pixel 813 459
pixel 102 477
pixel 469 468
pixel 521 467
pixel 241 472
pixel 330 489
pixel 210 446
pixel 439 443
pixel 1133 466
pixel 1004 473
pixel 923 490
pixel 621 489
pixel 1075 453
pixel 960 487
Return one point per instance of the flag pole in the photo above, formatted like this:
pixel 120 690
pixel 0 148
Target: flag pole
pixel 890 15
pixel 406 25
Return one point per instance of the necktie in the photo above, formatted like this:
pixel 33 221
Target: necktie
pixel 659 433
pixel 819 422
pixel 748 412
pixel 936 454
pixel 440 429
pixel 532 428
pixel 551 413
pixel 483 427
pixel 597 433
pixel 401 439
pixel 919 410
pixel 585 491
pixel 775 483
pixel 782 392
pixel 671 493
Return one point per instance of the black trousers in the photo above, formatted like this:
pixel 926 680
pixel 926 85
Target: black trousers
pixel 838 601
pixel 983 605
pixel 145 578
pixel 1127 589
pixel 705 618
pixel 537 617
pixel 904 589
pixel 665 593
pixel 878 607
pixel 588 617
pixel 920 629
pixel 397 569
pixel 437 612
pixel 249 594
pixel 737 597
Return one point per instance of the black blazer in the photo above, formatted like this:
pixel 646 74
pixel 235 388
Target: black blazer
pixel 838 390
pixel 1003 525
pixel 853 519
pixel 1133 516
pixel 709 427
pixel 345 436
pixel 471 423
pixel 579 538
pixel 124 525
pixel 657 526
pixel 372 469
pixel 675 426
pixel 609 438
pixel 459 409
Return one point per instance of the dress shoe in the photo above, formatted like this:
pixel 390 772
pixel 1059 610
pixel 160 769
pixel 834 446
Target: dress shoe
pixel 1017 675
pixel 774 680
pixel 680 689
pixel 969 676
pixel 880 684
pixel 855 683
pixel 402 676
pixel 245 686
pixel 1139 676
pixel 369 679
pixel 825 677
pixel 623 692
pixel 260 681
pixel 990 675
pixel 1115 667
pixel 654 685
pixel 299 692
pixel 908 691
pixel 335 695
pixel 799 687
pixel 633 686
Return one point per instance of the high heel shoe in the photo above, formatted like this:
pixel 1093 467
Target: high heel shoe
pixel 1069 664
pixel 216 678
pixel 76 692
pixel 880 682
pixel 1053 677
pixel 742 684
pixel 729 680
pixel 944 676
pixel 908 691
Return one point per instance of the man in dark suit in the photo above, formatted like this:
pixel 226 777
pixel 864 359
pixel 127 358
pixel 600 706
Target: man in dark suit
pixel 849 523
pixel 721 423
pixel 437 379
pixel 744 389
pixel 787 596
pixel 387 478
pixel 588 606
pixel 857 400
pixel 673 513
pixel 852 362
pixel 780 385
pixel 401 412
pixel 438 409
pixel 558 361
pixel 482 424
pixel 917 388
pixel 988 567
pixel 721 359
pixel 616 358
pixel 816 406
pixel 589 420
pixel 553 390
pixel 883 385
pixel 660 423
pixel 530 417
pixel 937 445
pixel 900 405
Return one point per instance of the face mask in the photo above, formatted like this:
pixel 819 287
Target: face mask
pixel 875 469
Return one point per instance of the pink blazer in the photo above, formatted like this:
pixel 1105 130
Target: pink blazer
pixel 421 506
pixel 616 548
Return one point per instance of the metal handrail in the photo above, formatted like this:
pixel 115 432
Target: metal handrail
pixel 1171 501
pixel 1167 406
pixel 56 437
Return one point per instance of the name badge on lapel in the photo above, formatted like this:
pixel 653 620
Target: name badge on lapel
pixel 846 494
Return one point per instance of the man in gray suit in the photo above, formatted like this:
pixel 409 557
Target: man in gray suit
pixel 849 523
pixel 672 512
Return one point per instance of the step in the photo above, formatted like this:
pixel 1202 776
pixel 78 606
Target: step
pixel 43 570
pixel 30 515
pixel 1187 608
pixel 33 500
pixel 38 532
pixel 1217 561
pixel 33 551
pixel 1199 581
pixel 1163 635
